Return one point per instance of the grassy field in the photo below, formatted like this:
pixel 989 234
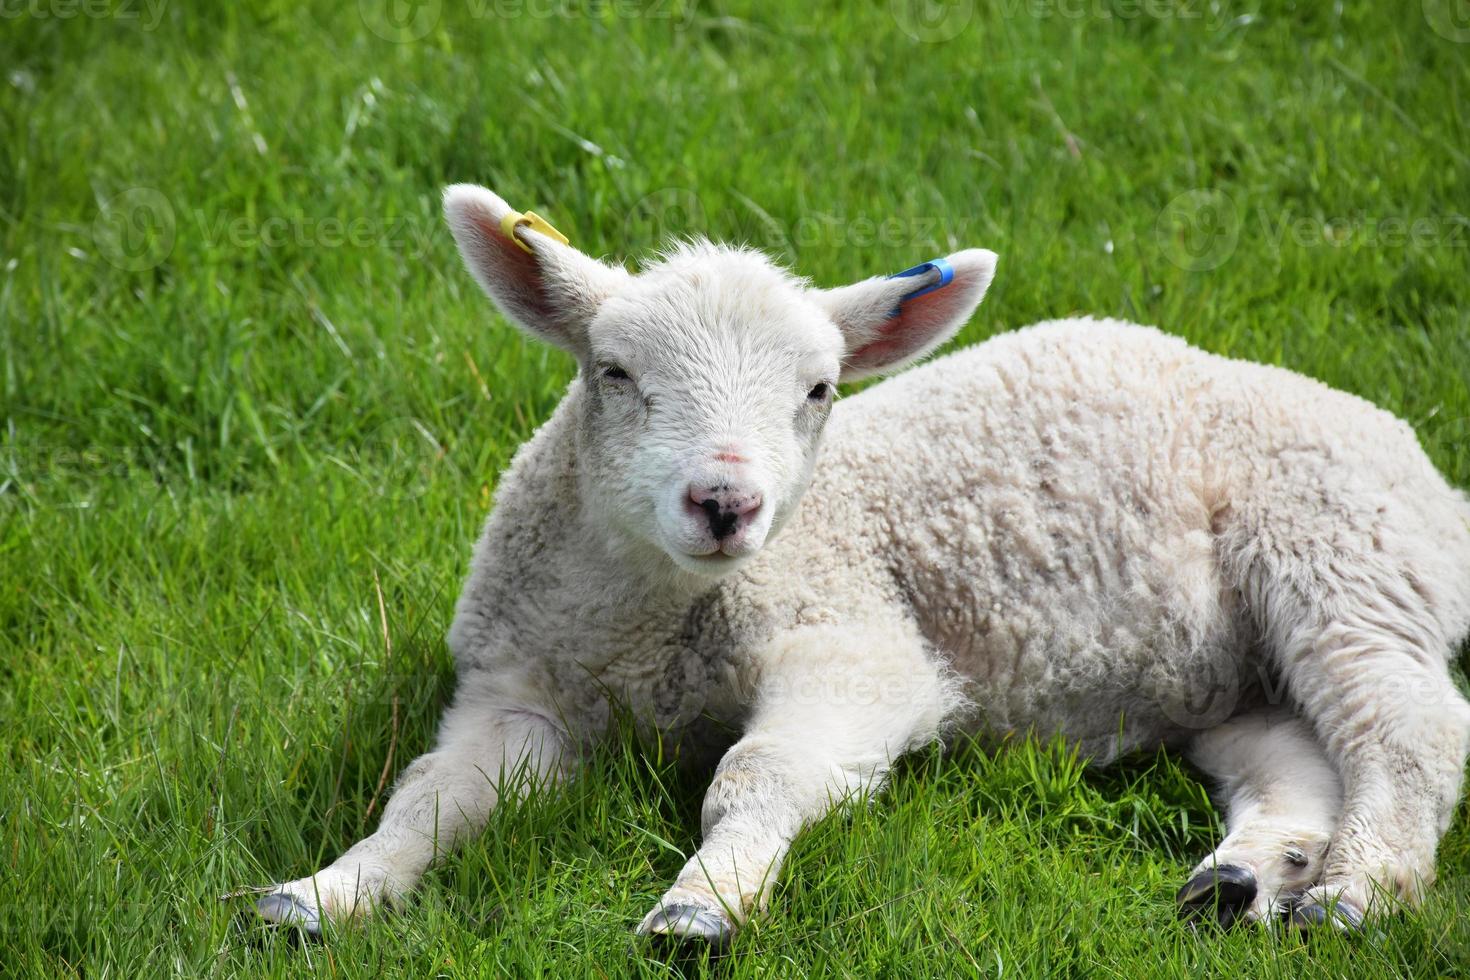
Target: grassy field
pixel 253 412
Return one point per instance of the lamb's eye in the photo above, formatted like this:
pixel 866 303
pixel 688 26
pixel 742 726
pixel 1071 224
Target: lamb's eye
pixel 612 372
pixel 819 393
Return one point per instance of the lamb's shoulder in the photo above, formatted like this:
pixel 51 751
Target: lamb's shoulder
pixel 519 552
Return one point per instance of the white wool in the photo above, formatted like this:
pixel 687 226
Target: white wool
pixel 1085 527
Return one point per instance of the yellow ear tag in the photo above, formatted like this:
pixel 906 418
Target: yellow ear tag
pixel 532 220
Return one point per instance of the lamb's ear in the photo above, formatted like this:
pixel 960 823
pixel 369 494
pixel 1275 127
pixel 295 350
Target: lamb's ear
pixel 551 291
pixel 888 322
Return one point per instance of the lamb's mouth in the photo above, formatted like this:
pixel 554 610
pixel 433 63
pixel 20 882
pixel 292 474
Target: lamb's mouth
pixel 717 555
pixel 737 545
pixel 713 556
pixel 714 561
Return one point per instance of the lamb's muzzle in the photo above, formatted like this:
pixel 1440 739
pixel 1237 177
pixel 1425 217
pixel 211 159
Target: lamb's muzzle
pixel 728 510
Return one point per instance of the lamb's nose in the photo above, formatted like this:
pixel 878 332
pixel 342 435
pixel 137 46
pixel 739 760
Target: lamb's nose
pixel 725 507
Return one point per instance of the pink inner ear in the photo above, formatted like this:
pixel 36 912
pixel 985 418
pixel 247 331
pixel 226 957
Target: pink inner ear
pixel 882 350
pixel 916 324
pixel 523 279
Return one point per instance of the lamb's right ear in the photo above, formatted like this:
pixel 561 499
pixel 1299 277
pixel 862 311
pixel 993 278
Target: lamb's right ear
pixel 551 291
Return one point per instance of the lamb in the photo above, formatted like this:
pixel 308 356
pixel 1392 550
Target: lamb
pixel 1085 526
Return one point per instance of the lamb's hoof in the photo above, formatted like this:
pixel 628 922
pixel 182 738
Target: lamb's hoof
pixel 286 911
pixel 681 921
pixel 1341 915
pixel 1224 893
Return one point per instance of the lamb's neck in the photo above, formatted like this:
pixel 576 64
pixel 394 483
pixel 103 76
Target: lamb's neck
pixel 569 557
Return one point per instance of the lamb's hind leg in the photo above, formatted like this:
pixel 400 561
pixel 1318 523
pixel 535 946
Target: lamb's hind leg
pixel 487 748
pixel 1281 799
pixel 1397 731
pixel 1356 602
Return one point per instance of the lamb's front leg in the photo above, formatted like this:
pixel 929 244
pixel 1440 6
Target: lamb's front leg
pixel 488 747
pixel 834 708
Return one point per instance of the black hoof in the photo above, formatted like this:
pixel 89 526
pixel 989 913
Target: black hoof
pixel 284 911
pixel 1313 915
pixel 1223 893
pixel 689 922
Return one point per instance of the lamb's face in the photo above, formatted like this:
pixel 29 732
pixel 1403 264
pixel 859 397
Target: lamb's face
pixel 707 379
pixel 707 383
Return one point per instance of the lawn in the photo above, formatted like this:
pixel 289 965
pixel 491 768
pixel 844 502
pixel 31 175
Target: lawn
pixel 254 411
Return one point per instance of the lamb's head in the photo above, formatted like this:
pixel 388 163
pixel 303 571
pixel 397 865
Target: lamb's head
pixel 707 378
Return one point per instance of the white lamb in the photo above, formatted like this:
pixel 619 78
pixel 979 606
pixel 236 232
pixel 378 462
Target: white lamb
pixel 1083 527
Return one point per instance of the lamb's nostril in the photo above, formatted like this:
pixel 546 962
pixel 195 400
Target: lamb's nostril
pixel 744 504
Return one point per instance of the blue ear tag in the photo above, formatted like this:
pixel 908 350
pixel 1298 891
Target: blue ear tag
pixel 946 276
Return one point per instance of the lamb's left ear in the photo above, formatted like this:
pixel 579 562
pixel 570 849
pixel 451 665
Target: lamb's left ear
pixel 548 288
pixel 888 322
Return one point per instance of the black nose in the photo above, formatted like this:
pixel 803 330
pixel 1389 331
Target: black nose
pixel 725 507
pixel 721 522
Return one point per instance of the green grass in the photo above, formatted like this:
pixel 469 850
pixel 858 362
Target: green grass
pixel 245 382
